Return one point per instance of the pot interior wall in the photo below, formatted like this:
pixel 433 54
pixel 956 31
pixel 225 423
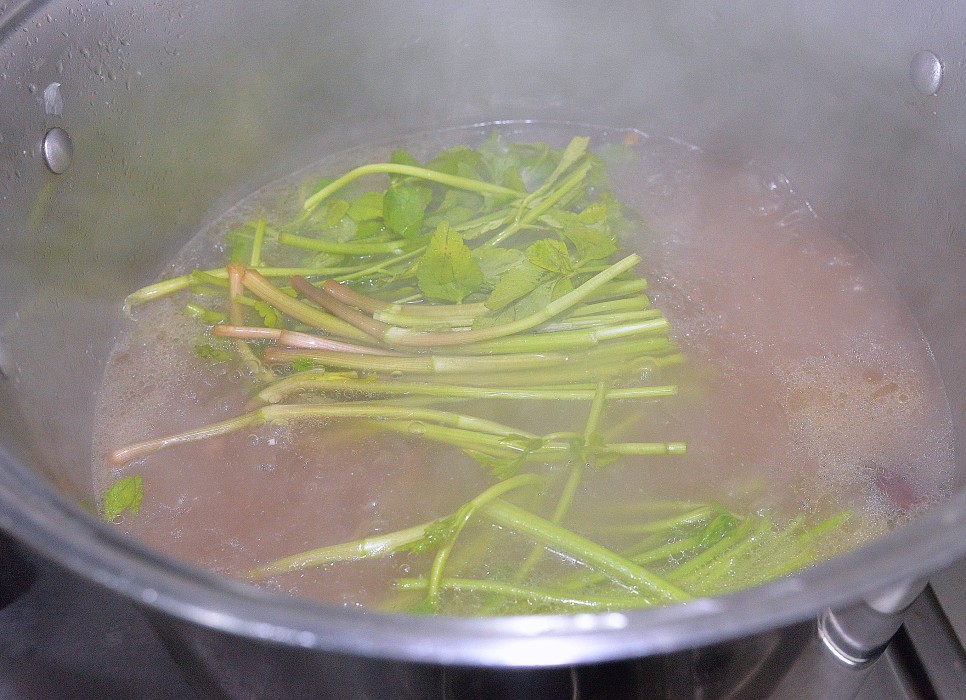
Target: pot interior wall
pixel 177 110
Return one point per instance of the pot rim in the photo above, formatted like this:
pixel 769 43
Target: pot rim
pixel 66 534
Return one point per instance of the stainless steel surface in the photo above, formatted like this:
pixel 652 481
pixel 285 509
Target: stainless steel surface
pixel 936 645
pixel 149 92
pixel 949 586
pixel 65 639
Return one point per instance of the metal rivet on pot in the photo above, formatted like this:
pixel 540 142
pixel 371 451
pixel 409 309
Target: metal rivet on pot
pixel 926 72
pixel 58 150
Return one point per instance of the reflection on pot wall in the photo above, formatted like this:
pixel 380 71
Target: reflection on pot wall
pixel 177 110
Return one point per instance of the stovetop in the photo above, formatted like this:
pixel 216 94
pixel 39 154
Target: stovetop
pixel 65 638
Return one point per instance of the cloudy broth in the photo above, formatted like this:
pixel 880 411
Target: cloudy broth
pixel 808 388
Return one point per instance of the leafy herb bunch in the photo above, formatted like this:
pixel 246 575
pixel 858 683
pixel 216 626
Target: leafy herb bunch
pixel 489 273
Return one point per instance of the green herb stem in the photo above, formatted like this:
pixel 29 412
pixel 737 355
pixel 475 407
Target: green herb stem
pixel 579 339
pixel 296 339
pixel 619 289
pixel 288 412
pixel 696 563
pixel 269 293
pixel 455 181
pixel 367 548
pixel 441 364
pixel 583 550
pixel 396 336
pixel 319 380
pixel 539 207
pixel 350 297
pixel 493 446
pixel 358 320
pixel 433 323
pixel 353 248
pixel 693 517
pixel 208 316
pixel 618 320
pixel 461 518
pixel 613 368
pixel 636 303
pixel 643 448
pixel 169 286
pixel 142 449
pixel 527 594
pixel 257 242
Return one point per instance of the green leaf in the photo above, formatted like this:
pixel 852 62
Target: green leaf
pixel 458 160
pixel 494 262
pixel 590 243
pixel 320 185
pixel 527 304
pixel 205 315
pixel 550 255
pixel 512 179
pixel 268 313
pixel 335 209
pixel 502 162
pixel 618 154
pixel 447 270
pixel 534 162
pixel 401 157
pixel 485 227
pixel 574 151
pixel 208 352
pixel 330 228
pixel 365 207
pixel 404 207
pixel 302 365
pixel 515 283
pixel 458 206
pixel 593 214
pixel 123 495
pixel 200 277
pixel 621 219
pixel 589 231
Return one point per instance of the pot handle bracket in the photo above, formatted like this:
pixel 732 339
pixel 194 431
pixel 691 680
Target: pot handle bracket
pixel 847 643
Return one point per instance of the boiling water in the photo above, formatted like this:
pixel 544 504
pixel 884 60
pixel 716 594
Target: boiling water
pixel 808 388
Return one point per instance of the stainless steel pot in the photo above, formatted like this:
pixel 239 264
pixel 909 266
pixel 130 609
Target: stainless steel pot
pixel 171 111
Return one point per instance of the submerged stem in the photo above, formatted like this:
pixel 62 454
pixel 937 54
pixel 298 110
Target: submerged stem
pixel 319 380
pixel 286 412
pixel 583 550
pixel 527 594
pixel 463 516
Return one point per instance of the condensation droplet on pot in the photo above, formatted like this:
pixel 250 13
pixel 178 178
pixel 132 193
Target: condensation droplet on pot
pixel 58 150
pixel 926 72
pixel 6 370
pixel 53 100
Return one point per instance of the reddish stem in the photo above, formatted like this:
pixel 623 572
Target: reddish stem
pixel 356 318
pixel 353 298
